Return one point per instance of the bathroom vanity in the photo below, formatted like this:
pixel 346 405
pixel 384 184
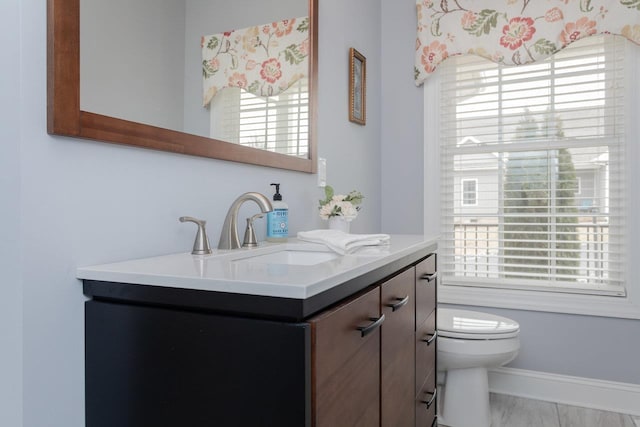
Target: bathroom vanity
pixel 283 335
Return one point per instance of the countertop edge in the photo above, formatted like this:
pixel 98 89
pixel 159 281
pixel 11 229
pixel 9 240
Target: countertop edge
pixel 271 306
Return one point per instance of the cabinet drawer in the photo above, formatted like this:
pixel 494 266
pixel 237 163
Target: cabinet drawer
pixel 425 289
pixel 398 351
pixel 425 350
pixel 346 363
pixel 426 402
pixel 398 306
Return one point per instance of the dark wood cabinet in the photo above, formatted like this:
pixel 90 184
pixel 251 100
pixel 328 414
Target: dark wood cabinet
pixel 366 360
pixel 426 342
pixel 425 405
pixel 426 278
pixel 425 350
pixel 397 352
pixel 346 363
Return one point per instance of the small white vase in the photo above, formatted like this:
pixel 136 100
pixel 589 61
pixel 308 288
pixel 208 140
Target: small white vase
pixel 339 223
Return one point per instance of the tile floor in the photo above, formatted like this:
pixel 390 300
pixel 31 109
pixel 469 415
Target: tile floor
pixel 510 411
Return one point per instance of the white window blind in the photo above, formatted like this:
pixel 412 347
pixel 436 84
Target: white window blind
pixel 277 123
pixel 545 143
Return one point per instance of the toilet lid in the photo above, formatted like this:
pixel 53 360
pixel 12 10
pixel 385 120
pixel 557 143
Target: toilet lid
pixel 454 323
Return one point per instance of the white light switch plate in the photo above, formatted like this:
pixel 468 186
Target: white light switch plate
pixel 322 172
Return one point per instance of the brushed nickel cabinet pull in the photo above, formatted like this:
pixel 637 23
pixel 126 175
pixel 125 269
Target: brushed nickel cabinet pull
pixel 433 337
pixel 428 277
pixel 401 303
pixel 366 330
pixel 430 401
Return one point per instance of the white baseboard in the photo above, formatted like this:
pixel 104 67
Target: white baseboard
pixel 576 391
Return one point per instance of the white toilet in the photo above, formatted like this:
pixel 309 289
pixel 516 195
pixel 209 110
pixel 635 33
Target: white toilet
pixel 469 343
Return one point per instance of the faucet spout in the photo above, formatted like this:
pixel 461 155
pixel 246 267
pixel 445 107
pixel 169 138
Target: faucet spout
pixel 229 236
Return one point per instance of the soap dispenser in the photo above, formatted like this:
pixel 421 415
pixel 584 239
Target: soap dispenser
pixel 278 219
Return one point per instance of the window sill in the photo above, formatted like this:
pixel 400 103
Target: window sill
pixel 591 305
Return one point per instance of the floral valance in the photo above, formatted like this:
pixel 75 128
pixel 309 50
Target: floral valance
pixel 515 32
pixel 264 60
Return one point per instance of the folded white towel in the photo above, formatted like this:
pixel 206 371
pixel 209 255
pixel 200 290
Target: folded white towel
pixel 341 242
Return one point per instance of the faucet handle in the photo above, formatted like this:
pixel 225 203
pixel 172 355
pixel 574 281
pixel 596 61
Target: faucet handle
pixel 250 239
pixel 201 245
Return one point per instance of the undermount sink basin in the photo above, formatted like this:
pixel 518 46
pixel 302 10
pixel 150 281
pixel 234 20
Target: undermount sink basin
pixel 291 257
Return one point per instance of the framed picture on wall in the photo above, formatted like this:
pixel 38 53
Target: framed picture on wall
pixel 357 87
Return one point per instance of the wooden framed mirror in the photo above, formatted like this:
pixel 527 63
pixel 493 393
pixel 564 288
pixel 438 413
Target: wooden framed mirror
pixel 66 116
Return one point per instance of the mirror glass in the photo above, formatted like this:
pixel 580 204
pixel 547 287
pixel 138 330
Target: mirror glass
pixel 141 61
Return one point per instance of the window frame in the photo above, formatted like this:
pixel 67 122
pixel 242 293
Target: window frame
pixel 627 306
pixel 463 192
pixel 578 191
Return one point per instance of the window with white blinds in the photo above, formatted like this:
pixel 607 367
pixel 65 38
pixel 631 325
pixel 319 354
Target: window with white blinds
pixel 276 123
pixel 544 144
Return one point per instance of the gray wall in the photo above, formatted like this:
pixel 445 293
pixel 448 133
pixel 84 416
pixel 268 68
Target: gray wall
pixel 84 202
pixel 584 346
pixel 11 301
pixel 402 170
pixel 352 151
pixel 131 60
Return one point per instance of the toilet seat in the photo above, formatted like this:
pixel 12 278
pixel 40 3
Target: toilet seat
pixel 473 325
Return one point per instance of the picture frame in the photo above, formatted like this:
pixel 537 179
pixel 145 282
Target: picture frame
pixel 357 87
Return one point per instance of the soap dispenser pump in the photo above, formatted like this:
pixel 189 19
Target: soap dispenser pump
pixel 278 219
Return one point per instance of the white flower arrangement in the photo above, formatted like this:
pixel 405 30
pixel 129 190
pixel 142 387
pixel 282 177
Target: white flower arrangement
pixel 340 205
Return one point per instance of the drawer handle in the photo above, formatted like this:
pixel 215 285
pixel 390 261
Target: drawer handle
pixel 429 277
pixel 366 330
pixel 430 401
pixel 433 337
pixel 401 303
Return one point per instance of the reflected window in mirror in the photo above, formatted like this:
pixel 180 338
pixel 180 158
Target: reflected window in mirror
pixel 277 123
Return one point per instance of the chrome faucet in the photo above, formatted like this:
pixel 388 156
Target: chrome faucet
pixel 229 235
pixel 201 245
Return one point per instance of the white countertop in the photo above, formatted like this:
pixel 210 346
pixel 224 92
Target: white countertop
pixel 222 271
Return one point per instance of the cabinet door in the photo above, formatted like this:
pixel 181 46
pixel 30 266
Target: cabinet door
pixel 397 351
pixel 345 351
pixel 160 367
